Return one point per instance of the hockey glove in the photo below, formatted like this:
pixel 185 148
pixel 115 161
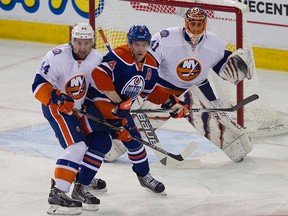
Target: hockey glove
pixel 180 108
pixel 239 65
pixel 64 103
pixel 124 136
pixel 122 109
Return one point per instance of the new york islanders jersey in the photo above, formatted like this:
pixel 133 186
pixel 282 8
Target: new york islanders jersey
pixel 60 70
pixel 180 65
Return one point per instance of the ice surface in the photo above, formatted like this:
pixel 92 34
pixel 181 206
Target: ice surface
pixel 28 152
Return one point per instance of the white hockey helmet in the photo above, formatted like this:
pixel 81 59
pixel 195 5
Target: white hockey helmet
pixel 82 31
pixel 195 23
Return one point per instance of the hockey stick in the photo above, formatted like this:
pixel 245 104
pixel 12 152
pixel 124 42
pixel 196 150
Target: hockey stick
pixel 232 109
pixel 104 39
pixel 93 118
pixel 167 161
pixel 152 137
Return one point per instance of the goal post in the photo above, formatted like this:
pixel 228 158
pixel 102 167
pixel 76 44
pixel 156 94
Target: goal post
pixel 239 32
pixel 226 18
pixel 92 13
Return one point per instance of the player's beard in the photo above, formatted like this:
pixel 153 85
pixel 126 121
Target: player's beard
pixel 82 54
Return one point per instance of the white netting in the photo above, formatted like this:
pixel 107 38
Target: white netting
pixel 118 16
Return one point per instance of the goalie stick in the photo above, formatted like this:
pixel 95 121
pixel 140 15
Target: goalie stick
pixel 168 161
pixel 231 109
pixel 93 118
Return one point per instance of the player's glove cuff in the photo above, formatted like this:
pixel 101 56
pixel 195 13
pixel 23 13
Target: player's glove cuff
pixel 64 103
pixel 122 109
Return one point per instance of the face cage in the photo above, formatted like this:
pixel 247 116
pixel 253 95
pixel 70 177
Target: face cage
pixel 195 28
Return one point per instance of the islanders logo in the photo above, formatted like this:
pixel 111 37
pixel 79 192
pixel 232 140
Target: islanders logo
pixel 188 69
pixel 76 87
pixel 134 87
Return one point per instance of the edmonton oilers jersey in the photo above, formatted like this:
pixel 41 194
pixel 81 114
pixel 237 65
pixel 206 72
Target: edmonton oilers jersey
pixel 128 77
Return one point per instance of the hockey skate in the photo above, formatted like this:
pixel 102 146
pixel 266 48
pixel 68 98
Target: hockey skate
pixel 151 184
pixel 61 204
pixel 97 185
pixel 89 201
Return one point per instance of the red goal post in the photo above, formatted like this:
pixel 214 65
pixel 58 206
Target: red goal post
pixel 226 18
pixel 239 32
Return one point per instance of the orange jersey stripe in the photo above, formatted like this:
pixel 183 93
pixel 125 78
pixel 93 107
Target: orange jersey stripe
pixel 173 91
pixel 86 128
pixel 150 60
pixel 64 174
pixel 158 96
pixel 98 164
pixel 62 125
pixel 43 94
pixel 102 80
pixel 106 109
pixel 122 52
pixel 138 156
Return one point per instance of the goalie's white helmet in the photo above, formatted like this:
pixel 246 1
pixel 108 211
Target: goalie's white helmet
pixel 195 23
pixel 82 31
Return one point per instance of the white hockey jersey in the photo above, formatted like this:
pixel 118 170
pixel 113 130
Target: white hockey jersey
pixel 63 72
pixel 180 65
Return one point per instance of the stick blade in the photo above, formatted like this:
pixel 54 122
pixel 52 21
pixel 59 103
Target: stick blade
pixel 246 101
pixel 185 164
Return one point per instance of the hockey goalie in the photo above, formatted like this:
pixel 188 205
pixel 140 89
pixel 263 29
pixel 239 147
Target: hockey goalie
pixel 185 55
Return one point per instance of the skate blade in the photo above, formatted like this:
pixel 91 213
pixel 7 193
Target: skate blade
pixel 92 190
pixel 90 207
pixel 163 193
pixel 60 210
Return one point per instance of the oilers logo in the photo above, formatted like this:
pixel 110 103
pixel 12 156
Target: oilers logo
pixel 134 87
pixel 76 87
pixel 188 69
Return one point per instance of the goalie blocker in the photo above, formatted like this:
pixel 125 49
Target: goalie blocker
pixel 238 66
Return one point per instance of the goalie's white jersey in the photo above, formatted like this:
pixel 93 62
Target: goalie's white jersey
pixel 180 65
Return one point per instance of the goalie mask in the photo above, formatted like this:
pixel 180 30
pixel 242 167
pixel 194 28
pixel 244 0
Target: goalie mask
pixel 195 23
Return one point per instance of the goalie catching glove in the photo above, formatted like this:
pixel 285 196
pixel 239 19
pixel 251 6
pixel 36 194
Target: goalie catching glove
pixel 64 102
pixel 180 108
pixel 239 65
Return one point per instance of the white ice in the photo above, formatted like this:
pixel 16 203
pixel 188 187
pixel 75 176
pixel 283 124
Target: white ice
pixel 28 152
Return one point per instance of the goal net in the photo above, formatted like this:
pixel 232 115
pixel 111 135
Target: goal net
pixel 226 18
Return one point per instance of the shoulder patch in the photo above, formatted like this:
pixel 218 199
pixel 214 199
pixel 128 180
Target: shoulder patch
pixel 56 51
pixel 164 33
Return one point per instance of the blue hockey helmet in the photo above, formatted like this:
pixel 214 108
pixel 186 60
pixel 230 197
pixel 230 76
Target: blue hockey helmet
pixel 139 33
